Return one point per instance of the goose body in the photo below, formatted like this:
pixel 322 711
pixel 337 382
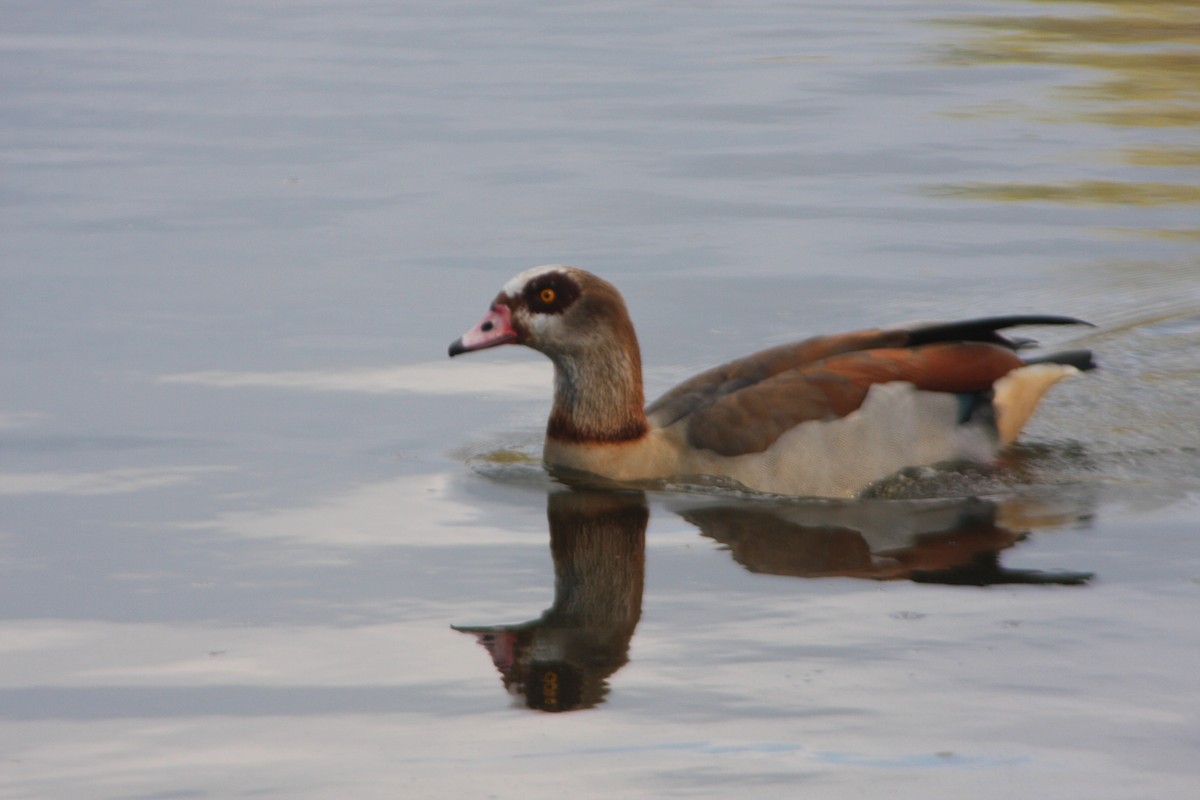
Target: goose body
pixel 826 416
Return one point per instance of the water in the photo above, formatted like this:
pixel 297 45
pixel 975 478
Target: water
pixel 246 497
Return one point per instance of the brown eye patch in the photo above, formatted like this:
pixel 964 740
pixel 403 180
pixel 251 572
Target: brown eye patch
pixel 551 293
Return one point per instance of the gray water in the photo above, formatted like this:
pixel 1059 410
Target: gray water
pixel 246 496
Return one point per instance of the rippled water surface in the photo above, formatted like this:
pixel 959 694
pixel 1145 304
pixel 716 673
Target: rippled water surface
pixel 259 537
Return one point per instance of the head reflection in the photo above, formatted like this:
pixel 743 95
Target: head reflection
pixel 561 661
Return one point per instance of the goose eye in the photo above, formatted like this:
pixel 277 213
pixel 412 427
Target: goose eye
pixel 547 296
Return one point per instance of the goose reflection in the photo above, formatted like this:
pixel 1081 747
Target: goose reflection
pixel 955 541
pixel 562 660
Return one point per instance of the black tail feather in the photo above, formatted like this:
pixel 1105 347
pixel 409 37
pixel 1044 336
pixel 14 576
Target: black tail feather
pixel 985 329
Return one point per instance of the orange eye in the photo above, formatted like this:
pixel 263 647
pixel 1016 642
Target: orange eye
pixel 547 296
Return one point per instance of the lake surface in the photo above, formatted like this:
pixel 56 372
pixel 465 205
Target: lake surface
pixel 260 538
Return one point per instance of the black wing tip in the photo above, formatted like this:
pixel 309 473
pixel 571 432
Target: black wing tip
pixel 985 329
pixel 1038 319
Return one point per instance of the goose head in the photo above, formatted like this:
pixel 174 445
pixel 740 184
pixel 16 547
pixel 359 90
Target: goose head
pixel 555 309
pixel 579 321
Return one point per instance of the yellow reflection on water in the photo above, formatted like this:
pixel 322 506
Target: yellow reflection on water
pixel 1143 59
pixel 1142 193
pixel 1163 156
pixel 1172 234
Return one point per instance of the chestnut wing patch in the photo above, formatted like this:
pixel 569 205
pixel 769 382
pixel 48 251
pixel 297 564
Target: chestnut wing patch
pixel 748 419
pixel 710 386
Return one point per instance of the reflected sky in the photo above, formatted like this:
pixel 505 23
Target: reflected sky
pixel 436 378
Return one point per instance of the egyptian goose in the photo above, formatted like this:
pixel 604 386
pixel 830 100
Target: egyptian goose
pixel 825 417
